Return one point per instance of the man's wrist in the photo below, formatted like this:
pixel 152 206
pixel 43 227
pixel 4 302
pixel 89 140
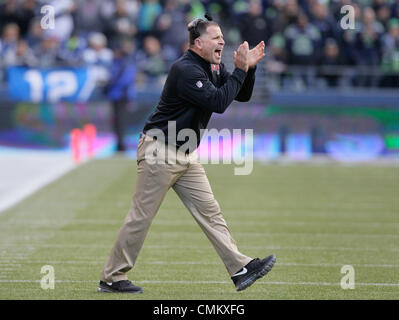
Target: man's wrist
pixel 241 69
pixel 240 74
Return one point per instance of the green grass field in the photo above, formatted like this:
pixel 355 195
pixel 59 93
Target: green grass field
pixel 314 218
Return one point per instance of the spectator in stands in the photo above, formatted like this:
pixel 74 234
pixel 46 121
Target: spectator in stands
pixel 274 14
pixel 367 48
pixel 253 25
pixel 23 56
pixel 303 41
pixel 324 21
pixel 330 61
pixel 9 41
pixel 237 8
pixel 376 4
pixel 390 41
pixel 98 56
pixel 9 13
pixel 220 10
pixel 395 9
pixel 276 61
pixel 291 12
pixel 108 8
pixel 193 9
pixel 383 13
pixel 121 25
pixel 87 17
pixel 121 87
pixel 369 21
pixel 35 33
pixel 348 37
pixel 149 11
pixel 390 58
pixel 167 29
pixel 47 52
pixel 151 62
pixel 71 51
pixel 277 57
pixel 18 12
pixel 26 14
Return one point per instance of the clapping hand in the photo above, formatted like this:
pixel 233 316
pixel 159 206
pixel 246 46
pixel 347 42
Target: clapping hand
pixel 256 54
pixel 241 56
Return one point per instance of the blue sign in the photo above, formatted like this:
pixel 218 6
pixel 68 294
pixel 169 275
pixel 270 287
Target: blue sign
pixel 355 147
pixel 50 85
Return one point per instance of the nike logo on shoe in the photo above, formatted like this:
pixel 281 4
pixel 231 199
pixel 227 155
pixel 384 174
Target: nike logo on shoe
pixel 256 269
pixel 243 271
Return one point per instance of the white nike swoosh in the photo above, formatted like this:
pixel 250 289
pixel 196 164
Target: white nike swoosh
pixel 109 283
pixel 244 271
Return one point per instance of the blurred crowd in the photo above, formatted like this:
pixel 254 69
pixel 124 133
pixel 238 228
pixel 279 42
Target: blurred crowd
pixel 146 36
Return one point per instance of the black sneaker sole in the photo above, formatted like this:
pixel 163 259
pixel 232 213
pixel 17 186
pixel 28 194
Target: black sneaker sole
pixel 257 275
pixel 110 290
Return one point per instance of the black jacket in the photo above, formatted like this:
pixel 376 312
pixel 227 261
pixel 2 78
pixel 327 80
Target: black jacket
pixel 193 90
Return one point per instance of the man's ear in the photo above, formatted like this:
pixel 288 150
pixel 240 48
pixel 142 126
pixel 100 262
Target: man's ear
pixel 198 43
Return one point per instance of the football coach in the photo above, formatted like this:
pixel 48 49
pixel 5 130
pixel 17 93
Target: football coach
pixel 197 86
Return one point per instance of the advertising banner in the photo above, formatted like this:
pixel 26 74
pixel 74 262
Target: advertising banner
pixel 50 85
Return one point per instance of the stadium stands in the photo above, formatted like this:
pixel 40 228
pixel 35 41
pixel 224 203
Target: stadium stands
pixel 306 45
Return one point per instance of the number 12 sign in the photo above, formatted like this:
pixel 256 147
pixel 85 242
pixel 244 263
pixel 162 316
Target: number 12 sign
pixel 50 85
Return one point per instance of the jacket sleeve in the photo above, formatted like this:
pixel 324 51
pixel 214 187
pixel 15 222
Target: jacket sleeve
pixel 194 86
pixel 246 90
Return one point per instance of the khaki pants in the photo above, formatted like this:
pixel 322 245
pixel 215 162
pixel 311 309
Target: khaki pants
pixel 187 177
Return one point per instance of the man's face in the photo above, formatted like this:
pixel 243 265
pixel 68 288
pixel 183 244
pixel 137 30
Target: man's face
pixel 212 44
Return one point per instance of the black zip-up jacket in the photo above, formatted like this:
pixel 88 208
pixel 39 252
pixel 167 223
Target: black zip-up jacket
pixel 193 90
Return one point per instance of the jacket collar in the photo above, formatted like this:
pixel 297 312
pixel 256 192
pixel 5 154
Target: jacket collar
pixel 201 60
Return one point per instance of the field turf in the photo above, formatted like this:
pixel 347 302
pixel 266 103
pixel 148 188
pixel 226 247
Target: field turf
pixel 314 218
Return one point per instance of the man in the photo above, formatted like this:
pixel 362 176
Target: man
pixel 197 86
pixel 120 88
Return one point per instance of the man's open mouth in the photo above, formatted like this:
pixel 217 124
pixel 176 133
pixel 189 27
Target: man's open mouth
pixel 218 53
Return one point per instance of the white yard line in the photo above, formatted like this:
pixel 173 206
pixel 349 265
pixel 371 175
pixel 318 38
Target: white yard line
pixel 200 247
pixel 289 283
pixel 23 172
pixel 119 221
pixel 7 263
pixel 249 234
